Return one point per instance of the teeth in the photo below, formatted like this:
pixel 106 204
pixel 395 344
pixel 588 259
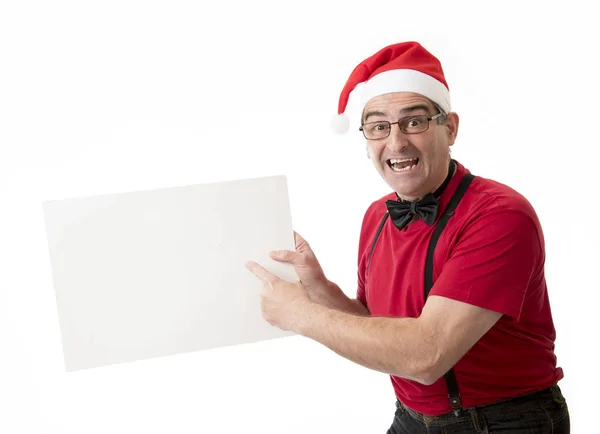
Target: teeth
pixel 404 168
pixel 396 160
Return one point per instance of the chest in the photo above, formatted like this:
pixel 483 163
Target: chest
pixel 395 275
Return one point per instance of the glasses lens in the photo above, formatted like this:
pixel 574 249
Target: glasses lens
pixel 376 130
pixel 414 124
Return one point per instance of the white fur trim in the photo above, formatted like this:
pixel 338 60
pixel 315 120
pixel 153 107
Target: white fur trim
pixel 406 80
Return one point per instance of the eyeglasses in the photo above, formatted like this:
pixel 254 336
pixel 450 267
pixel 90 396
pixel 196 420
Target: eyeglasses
pixel 408 125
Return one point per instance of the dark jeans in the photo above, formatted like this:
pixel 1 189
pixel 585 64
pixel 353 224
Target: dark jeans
pixel 537 413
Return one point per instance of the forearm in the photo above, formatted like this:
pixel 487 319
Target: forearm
pixel 394 346
pixel 333 297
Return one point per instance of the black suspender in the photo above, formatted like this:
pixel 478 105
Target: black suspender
pixel 387 214
pixel 451 384
pixel 441 225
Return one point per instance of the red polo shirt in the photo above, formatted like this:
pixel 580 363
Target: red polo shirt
pixel 491 255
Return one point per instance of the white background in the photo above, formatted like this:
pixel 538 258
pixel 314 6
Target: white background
pixel 116 96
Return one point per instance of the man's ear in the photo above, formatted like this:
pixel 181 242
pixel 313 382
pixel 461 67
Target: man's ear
pixel 452 122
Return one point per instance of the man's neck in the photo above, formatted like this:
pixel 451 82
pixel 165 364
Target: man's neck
pixel 438 184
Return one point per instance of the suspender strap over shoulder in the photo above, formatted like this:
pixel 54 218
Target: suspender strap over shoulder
pixel 453 393
pixel 441 225
pixel 385 217
pixel 451 384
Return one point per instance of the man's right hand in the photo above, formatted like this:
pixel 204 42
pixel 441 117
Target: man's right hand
pixel 306 265
pixel 320 289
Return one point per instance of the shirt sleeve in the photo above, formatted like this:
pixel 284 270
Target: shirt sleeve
pixel 360 293
pixel 493 262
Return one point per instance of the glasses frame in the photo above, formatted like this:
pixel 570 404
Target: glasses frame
pixel 429 119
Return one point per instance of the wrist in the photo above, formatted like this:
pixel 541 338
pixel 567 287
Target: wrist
pixel 319 287
pixel 308 315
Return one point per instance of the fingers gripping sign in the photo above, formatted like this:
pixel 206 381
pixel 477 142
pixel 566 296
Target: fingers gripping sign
pixel 283 304
pixel 305 264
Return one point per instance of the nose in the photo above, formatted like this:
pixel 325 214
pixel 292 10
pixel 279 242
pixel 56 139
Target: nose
pixel 397 140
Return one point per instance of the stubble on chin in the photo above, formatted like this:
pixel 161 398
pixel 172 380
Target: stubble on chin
pixel 403 190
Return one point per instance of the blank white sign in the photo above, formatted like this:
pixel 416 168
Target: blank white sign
pixel 161 272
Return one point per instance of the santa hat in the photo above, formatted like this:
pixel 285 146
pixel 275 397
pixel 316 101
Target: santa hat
pixel 403 67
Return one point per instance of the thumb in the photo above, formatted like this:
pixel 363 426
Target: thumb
pixel 302 245
pixel 288 256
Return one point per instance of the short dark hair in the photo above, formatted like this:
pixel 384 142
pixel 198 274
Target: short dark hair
pixel 441 120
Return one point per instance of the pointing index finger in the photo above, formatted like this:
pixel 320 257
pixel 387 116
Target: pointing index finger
pixel 260 272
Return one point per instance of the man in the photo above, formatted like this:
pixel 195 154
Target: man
pixel 452 299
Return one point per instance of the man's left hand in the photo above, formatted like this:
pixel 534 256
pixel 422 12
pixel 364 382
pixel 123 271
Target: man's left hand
pixel 284 304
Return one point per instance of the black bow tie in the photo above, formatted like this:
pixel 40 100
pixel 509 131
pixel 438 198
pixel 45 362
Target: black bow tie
pixel 402 212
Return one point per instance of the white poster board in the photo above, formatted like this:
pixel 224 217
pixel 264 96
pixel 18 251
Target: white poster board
pixel 155 273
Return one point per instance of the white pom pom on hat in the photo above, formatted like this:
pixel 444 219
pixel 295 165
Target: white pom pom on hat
pixel 340 124
pixel 402 67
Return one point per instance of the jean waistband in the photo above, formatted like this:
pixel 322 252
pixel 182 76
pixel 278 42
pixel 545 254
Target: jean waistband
pixel 471 412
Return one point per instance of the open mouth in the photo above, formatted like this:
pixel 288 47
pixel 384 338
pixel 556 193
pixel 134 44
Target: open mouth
pixel 402 164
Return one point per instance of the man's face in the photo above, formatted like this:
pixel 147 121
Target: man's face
pixel 429 149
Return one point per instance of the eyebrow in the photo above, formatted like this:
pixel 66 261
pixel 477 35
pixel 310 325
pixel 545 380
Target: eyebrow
pixel 405 110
